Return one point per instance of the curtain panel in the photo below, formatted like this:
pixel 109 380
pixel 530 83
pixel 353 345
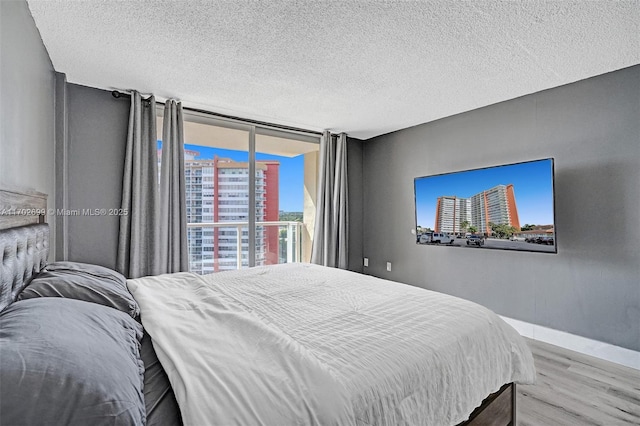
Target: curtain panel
pixel 138 240
pixel 173 211
pixel 330 237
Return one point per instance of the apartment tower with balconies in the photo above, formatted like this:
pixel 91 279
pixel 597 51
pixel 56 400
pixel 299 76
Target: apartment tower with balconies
pixel 217 191
pixel 495 205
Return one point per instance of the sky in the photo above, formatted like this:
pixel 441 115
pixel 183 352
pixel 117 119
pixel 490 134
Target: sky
pixel 291 174
pixel 532 186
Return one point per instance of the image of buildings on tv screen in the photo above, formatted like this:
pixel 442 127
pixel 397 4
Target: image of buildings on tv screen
pixel 512 203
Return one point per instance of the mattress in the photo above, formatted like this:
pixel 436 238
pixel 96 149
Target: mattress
pixel 306 344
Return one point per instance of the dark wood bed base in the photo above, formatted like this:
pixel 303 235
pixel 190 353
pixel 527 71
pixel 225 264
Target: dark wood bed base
pixel 20 207
pixel 498 409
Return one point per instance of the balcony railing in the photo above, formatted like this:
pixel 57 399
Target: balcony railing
pixel 292 239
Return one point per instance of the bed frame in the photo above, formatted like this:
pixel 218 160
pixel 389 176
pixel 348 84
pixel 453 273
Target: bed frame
pixel 24 240
pixel 23 214
pixel 22 207
pixel 498 409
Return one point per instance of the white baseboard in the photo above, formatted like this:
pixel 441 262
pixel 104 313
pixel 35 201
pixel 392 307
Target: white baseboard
pixel 606 351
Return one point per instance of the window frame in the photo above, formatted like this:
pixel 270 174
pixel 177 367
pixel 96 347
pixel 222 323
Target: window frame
pixel 253 129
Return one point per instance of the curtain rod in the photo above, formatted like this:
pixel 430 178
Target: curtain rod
pixel 117 94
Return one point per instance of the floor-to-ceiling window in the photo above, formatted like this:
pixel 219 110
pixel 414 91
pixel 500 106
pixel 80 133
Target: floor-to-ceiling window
pixel 286 168
pixel 236 221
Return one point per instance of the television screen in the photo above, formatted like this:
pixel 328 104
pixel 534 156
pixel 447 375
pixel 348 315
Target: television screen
pixel 507 207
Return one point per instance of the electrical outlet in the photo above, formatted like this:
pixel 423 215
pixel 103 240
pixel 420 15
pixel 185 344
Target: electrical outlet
pixel 389 266
pixel 366 261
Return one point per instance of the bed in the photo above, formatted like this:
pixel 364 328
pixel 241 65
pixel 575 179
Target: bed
pixel 288 344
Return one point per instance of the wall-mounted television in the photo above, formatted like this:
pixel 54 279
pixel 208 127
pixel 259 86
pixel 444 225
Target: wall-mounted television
pixel 505 207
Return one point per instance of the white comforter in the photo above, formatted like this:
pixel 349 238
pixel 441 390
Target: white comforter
pixel 301 344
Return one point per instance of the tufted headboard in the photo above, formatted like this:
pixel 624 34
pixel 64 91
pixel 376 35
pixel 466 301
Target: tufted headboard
pixel 24 251
pixel 24 240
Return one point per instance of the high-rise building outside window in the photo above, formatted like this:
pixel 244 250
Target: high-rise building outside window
pixel 222 232
pixel 217 191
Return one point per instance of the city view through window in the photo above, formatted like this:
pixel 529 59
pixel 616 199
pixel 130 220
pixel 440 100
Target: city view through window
pixel 218 202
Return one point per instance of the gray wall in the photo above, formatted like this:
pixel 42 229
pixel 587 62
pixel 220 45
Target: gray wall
pixel 27 91
pixel 354 176
pixel 591 287
pixel 96 137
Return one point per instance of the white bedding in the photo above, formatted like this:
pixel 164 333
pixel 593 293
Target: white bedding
pixel 300 344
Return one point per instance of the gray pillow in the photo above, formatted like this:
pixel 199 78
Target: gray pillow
pixel 68 362
pixel 82 281
pixel 162 407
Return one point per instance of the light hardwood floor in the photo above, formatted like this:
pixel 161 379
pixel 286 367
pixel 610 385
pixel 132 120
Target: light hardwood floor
pixel 576 389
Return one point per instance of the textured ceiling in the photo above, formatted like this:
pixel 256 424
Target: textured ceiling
pixel 362 67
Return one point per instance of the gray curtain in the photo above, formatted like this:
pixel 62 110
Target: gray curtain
pixel 173 209
pixel 330 239
pixel 138 241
